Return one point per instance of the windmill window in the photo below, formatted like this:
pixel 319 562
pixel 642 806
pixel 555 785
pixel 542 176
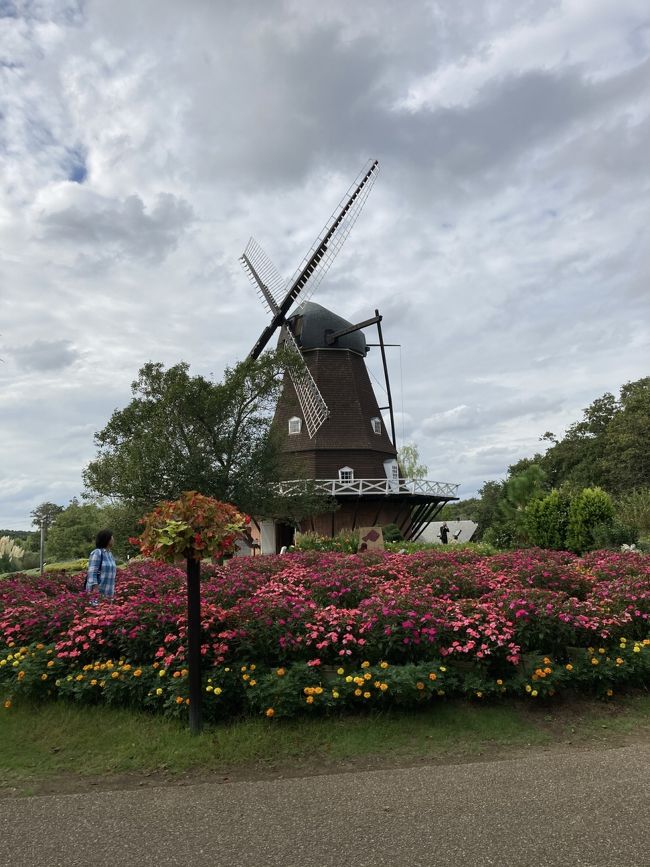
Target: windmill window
pixel 376 425
pixel 295 425
pixel 346 474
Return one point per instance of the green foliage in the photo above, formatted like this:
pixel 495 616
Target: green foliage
pixel 589 510
pixel 633 509
pixel 392 533
pixel 73 533
pixel 547 520
pixel 463 510
pixel 408 458
pixel 347 541
pixel 73 566
pixel 45 514
pixel 183 432
pixel 608 446
pixel 193 526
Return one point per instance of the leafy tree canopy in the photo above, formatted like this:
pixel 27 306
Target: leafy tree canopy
pixel 408 458
pixel 182 433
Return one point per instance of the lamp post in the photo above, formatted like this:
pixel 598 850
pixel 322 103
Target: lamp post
pixel 194 642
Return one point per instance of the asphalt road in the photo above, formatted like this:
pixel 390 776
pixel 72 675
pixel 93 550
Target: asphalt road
pixel 581 808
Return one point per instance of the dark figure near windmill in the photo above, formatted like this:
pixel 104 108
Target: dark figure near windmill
pixel 444 533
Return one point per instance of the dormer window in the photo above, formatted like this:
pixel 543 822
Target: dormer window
pixel 376 425
pixel 295 425
pixel 346 474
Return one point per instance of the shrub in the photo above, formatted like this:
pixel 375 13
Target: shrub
pixel 589 509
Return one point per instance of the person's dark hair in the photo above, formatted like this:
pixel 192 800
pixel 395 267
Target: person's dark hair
pixel 103 538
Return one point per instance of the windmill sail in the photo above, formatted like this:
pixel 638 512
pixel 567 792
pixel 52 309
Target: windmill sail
pixel 314 408
pixel 321 255
pixel 270 285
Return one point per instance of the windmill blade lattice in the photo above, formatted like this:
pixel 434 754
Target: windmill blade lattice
pixel 269 283
pixel 333 236
pixel 314 408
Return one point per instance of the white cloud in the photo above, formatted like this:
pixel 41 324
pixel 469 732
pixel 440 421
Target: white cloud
pixel 506 241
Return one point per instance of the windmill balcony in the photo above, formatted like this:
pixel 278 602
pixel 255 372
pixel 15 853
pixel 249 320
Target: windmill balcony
pixel 361 487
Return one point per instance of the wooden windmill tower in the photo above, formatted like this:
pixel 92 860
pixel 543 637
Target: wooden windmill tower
pixel 328 417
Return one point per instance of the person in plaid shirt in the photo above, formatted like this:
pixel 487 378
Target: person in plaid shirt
pixel 101 568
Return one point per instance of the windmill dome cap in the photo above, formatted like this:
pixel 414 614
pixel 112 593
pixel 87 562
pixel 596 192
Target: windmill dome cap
pixel 312 323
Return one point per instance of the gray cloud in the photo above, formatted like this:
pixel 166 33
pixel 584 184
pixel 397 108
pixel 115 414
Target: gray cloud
pixel 505 242
pixel 45 356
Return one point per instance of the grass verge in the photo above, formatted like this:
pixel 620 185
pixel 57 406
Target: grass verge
pixel 55 747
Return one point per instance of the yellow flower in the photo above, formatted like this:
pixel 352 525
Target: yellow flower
pixel 281 672
pixel 179 699
pixel 442 668
pixel 159 691
pixel 340 671
pixel 441 692
pixel 383 665
pixel 601 650
pixel 594 661
pixel 270 712
pixel 479 695
pixel 499 682
pixel 115 674
pixel 365 664
pixel 243 668
pixel 43 677
pixel 357 692
pixel 419 685
pixel 367 676
pixel 547 661
pixel 335 694
pixel 377 684
pixel 246 677
pixel 137 672
pixel 162 672
pixel 184 672
pixel 318 690
pixel 126 668
pixel 209 688
pixel 79 677
pixel 619 661
pixel 217 690
pixel 252 668
pixel 569 667
pixel 93 682
pixel 7 703
pixel 21 674
pixel 610 692
pixel 348 679
pixel 40 646
pixel 308 690
pixel 252 683
pixel 534 693
pixel 3 662
pixel 548 671
pixel 366 695
pixel 310 699
pixel 637 649
pixel 187 701
pixel 528 687
pixel 433 675
pixel 176 674
pixel 383 687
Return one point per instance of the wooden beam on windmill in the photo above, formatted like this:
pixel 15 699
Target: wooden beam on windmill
pixel 279 295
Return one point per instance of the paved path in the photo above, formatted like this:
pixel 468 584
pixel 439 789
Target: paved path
pixel 582 808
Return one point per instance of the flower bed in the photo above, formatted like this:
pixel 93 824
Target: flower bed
pixel 367 630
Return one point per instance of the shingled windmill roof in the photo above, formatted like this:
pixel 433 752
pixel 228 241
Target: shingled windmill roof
pixel 342 377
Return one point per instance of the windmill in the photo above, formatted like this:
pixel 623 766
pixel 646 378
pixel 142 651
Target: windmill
pixel 333 425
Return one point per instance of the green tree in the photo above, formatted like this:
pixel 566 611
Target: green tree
pixel 626 451
pixel 182 432
pixel 408 458
pixel 45 514
pixel 633 509
pixel 591 510
pixel 488 514
pixel 72 536
pixel 547 520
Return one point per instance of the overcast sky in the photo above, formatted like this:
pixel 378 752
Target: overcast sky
pixel 506 241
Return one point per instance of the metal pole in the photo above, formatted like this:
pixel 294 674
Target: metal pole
pixel 42 547
pixel 383 359
pixel 194 641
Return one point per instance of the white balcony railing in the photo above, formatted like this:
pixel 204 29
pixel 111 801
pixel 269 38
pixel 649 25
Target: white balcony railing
pixel 358 487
